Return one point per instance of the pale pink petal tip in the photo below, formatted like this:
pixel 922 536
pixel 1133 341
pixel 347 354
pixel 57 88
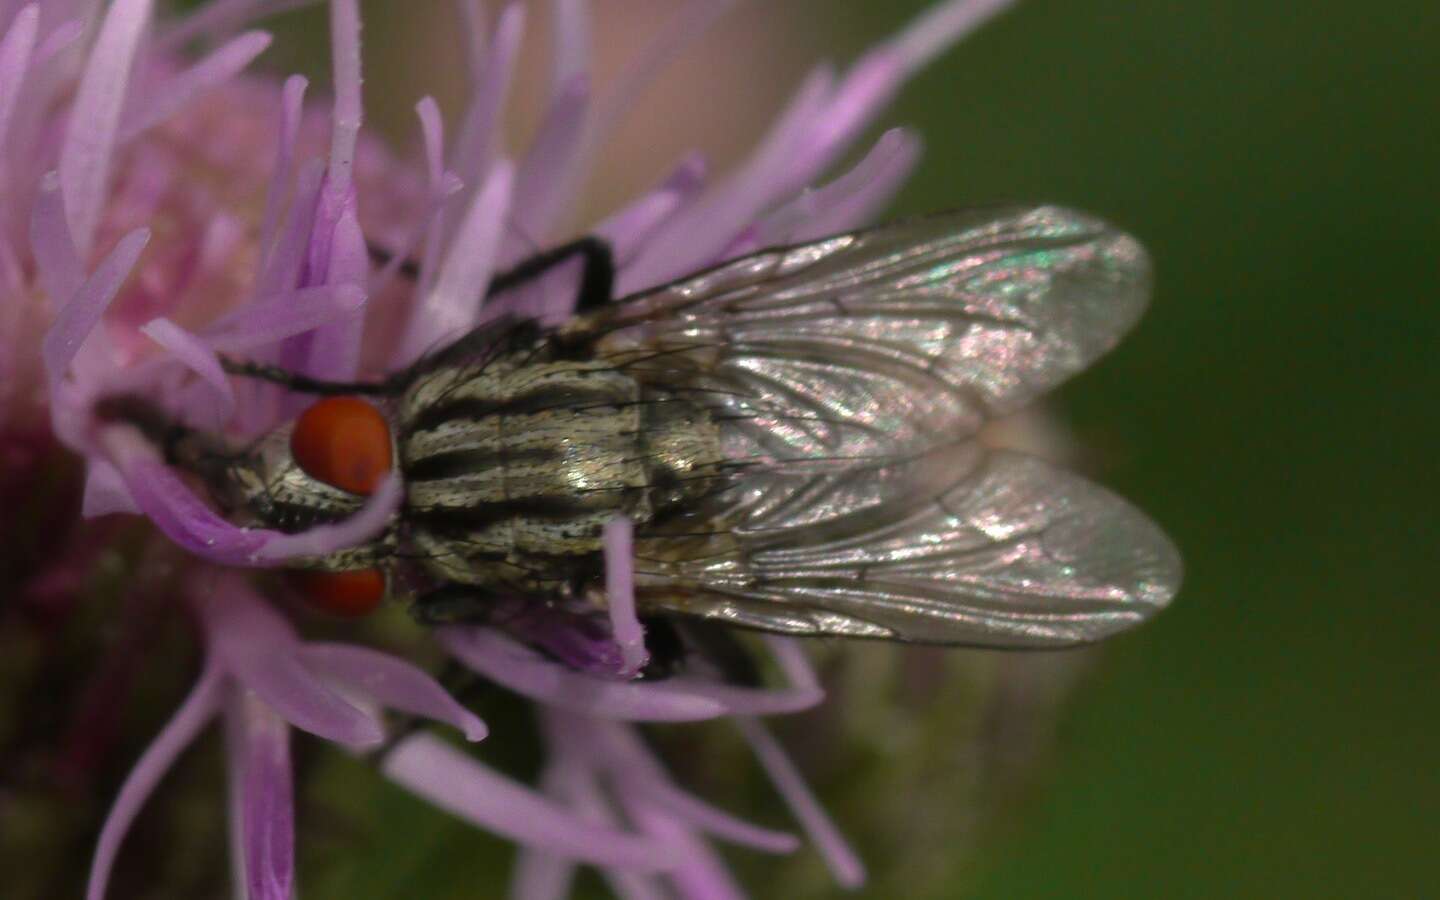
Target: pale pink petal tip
pixel 391 682
pixel 453 781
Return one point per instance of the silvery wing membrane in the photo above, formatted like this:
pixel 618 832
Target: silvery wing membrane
pixel 1009 553
pixel 892 341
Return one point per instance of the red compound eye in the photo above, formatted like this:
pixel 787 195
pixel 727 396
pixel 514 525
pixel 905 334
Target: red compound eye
pixel 351 594
pixel 344 442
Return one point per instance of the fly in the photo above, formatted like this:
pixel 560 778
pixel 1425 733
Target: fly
pixel 792 435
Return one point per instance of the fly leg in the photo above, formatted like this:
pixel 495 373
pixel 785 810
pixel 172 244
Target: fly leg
pixel 180 445
pixel 303 384
pixel 597 273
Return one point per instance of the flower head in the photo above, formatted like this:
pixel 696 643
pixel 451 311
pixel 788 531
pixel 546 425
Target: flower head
pixel 161 212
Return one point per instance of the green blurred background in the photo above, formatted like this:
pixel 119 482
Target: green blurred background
pixel 1273 734
pixel 1268 736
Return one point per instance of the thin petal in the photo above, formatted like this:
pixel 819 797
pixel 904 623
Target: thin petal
pixel 216 19
pixel 199 706
pixel 849 871
pixel 186 520
pixel 570 55
pixel 526 672
pixel 639 771
pixel 292 101
pixel 848 201
pixel 697 236
pixel 260 650
pixel 15 50
pixel 105 491
pixel 260 752
pixel 373 518
pixel 391 682
pixel 56 260
pixel 345 50
pixel 86 155
pixel 272 319
pixel 620 596
pixel 199 359
pixel 452 307
pixel 478 137
pixel 180 90
pixel 424 764
pixel 547 176
pixel 83 310
pixel 628 229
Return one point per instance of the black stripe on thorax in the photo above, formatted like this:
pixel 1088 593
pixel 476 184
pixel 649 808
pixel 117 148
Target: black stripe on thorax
pixel 459 463
pixel 450 520
pixel 543 398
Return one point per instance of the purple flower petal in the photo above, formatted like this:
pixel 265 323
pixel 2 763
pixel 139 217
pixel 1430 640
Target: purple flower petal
pixel 571 43
pixel 282 271
pixel 696 236
pixel 628 229
pixel 187 521
pixel 452 306
pixel 199 706
pixel 105 491
pixel 526 672
pixel 82 312
pixel 15 49
pixel 847 868
pixel 640 773
pixel 259 756
pixel 197 357
pixel 392 682
pixel 56 260
pixel 260 650
pixel 292 100
pixel 272 319
pixel 478 138
pixel 427 766
pixel 698 873
pixel 373 518
pixel 218 18
pixel 86 155
pixel 345 53
pixel 620 593
pixel 546 179
pixel 848 201
pixel 179 90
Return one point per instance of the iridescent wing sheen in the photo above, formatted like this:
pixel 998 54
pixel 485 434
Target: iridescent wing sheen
pixel 1009 553
pixel 889 341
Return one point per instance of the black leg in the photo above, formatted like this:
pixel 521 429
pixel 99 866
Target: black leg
pixel 303 384
pixel 597 276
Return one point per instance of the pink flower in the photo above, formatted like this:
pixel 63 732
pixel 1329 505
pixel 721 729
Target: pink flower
pixel 157 213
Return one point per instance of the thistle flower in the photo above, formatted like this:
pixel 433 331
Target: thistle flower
pixel 159 212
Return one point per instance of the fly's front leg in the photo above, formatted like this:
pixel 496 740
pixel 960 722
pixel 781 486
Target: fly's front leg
pixel 303 384
pixel 597 273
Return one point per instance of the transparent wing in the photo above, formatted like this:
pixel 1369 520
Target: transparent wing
pixel 891 341
pixel 1010 552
